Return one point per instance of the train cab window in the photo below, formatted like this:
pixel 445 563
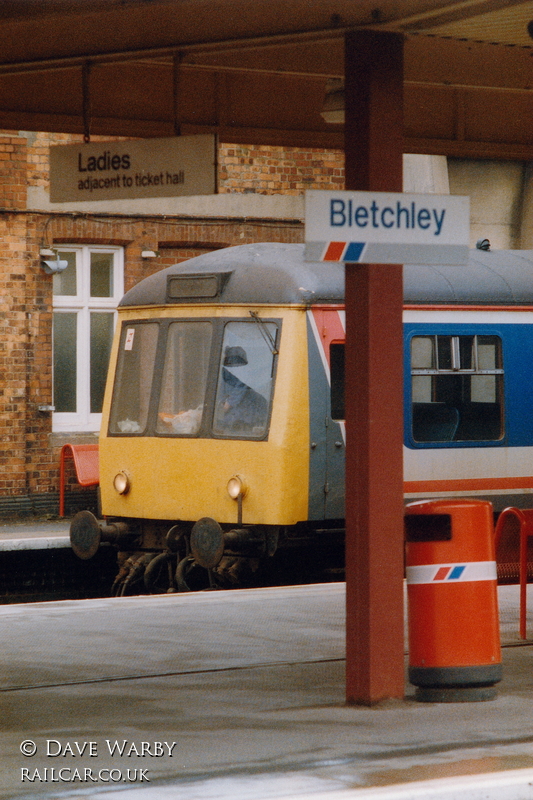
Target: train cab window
pixel 457 388
pixel 133 383
pixel 245 379
pixel 182 396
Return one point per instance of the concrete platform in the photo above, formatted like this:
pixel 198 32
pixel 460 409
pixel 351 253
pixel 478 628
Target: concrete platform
pixel 239 694
pixel 34 535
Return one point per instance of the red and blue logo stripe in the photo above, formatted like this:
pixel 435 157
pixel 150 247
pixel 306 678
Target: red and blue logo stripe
pixel 451 573
pixel 349 252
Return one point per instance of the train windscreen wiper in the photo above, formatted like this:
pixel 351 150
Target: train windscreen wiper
pixel 265 333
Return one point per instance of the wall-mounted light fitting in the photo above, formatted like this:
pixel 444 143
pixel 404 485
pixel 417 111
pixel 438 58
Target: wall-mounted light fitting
pixel 149 254
pixel 50 266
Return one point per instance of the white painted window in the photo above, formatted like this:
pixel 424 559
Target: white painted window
pixel 86 295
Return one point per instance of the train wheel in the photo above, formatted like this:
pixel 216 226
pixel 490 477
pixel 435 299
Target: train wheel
pixel 158 575
pixel 191 577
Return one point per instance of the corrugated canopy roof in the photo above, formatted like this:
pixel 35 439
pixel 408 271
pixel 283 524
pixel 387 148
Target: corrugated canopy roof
pixel 256 71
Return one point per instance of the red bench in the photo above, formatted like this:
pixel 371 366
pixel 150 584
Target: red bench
pixel 85 457
pixel 513 541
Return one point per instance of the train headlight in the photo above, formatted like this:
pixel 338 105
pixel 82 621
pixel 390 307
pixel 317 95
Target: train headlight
pixel 236 487
pixel 122 482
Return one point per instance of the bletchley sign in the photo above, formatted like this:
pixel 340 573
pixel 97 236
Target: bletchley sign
pixel 181 165
pixel 386 228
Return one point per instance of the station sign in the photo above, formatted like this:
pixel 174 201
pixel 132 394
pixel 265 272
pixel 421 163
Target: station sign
pixel 386 228
pixel 171 167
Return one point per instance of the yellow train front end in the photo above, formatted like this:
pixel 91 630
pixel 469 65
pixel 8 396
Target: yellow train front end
pixel 168 472
pixel 205 440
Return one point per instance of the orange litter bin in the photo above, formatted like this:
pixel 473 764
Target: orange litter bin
pixel 454 635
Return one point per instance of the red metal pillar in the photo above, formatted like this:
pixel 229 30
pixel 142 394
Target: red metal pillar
pixel 374 384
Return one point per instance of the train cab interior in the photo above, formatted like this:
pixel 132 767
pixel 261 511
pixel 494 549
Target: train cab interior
pixel 204 377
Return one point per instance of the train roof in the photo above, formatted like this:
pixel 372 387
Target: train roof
pixel 276 274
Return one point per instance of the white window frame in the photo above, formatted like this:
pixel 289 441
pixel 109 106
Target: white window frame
pixel 82 304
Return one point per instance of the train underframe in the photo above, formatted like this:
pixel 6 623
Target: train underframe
pixel 158 556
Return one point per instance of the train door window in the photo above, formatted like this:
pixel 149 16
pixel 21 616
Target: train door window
pixel 182 397
pixel 86 295
pixel 336 360
pixel 133 381
pixel 245 380
pixel 457 388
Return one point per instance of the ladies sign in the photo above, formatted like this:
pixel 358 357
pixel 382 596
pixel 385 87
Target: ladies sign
pixel 181 165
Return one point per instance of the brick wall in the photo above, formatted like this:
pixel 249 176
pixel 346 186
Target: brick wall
pixel 14 334
pixel 276 170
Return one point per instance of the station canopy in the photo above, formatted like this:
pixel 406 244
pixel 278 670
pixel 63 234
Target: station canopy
pixel 265 71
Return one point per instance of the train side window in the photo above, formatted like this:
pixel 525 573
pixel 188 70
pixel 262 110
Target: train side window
pixel 336 361
pixel 245 379
pixel 133 382
pixel 182 397
pixel 457 388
